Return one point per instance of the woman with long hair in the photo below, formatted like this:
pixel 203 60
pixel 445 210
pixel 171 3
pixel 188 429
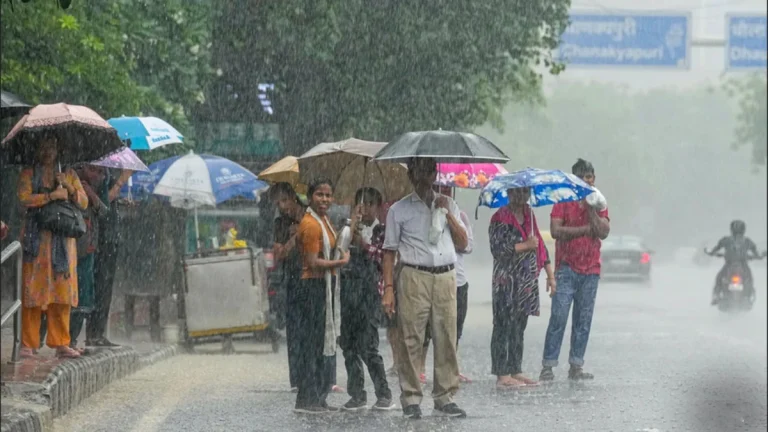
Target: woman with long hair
pixel 519 255
pixel 318 314
pixel 286 226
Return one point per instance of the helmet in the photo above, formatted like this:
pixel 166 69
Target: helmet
pixel 738 227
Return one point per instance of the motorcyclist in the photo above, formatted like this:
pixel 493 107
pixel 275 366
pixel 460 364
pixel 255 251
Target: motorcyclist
pixel 737 249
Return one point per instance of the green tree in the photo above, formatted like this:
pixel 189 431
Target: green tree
pixel 119 57
pixel 374 69
pixel 752 128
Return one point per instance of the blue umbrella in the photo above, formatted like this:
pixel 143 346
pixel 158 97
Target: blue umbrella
pixel 145 133
pixel 210 180
pixel 547 187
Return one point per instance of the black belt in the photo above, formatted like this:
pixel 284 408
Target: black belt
pixel 433 270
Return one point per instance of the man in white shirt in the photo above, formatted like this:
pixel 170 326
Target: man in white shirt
pixel 425 229
pixel 462 291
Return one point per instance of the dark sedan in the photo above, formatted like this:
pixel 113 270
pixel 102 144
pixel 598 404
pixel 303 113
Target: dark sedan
pixel 626 257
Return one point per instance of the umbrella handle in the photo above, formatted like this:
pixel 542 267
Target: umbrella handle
pixel 531 206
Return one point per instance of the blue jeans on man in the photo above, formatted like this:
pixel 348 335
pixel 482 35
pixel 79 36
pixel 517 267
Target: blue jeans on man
pixel 581 290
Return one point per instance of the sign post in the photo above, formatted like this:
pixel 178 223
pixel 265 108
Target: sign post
pixel 630 39
pixel 746 47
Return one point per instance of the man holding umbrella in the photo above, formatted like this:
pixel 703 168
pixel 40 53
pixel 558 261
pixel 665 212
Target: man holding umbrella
pixel 578 228
pixel 426 230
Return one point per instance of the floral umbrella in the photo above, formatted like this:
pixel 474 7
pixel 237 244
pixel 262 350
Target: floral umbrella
pixel 467 176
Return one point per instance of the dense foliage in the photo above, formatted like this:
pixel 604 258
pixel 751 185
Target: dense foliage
pixel 119 57
pixel 377 68
pixel 752 126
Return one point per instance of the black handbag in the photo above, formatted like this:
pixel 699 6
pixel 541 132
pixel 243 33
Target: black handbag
pixel 61 218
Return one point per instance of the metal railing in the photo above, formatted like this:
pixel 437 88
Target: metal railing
pixel 15 309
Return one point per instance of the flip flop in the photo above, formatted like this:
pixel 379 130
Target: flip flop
pixel 67 352
pixel 509 386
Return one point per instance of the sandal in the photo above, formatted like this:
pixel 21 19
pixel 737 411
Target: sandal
pixel 527 381
pixel 66 352
pixel 509 384
pixel 25 352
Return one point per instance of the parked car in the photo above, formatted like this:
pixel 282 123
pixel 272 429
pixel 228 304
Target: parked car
pixel 626 257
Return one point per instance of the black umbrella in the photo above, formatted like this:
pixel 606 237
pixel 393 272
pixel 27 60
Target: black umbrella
pixel 11 105
pixel 444 146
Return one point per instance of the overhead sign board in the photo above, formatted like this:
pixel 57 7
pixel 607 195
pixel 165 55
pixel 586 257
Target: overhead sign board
pixel 627 39
pixel 746 46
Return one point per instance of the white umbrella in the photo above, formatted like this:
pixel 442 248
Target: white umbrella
pixel 193 180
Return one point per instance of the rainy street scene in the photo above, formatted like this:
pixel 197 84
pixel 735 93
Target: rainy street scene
pixel 239 215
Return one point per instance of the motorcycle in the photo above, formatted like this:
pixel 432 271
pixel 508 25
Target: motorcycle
pixel 733 295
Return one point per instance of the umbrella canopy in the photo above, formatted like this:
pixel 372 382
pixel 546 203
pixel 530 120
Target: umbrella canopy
pixel 11 105
pixel 285 170
pixel 547 187
pixel 194 180
pixel 124 159
pixel 82 135
pixel 444 146
pixel 467 176
pixel 349 166
pixel 146 133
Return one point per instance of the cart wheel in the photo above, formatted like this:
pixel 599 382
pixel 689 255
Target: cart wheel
pixel 227 347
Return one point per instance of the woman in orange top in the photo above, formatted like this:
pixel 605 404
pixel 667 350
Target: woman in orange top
pixel 49 271
pixel 316 301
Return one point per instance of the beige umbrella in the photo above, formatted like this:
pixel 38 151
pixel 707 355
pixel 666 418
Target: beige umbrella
pixel 285 170
pixel 82 135
pixel 348 165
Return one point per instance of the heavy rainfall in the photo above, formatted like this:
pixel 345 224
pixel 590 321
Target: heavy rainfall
pixel 374 215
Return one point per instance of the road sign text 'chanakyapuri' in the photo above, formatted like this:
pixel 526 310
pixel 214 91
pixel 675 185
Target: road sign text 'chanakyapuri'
pixel 627 39
pixel 746 42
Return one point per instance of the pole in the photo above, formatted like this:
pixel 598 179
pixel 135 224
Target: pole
pixel 197 231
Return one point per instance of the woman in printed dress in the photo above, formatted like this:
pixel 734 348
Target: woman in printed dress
pixel 518 258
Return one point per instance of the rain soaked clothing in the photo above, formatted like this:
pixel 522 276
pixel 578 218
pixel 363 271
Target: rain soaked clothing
pixel 360 301
pixel 515 287
pixel 45 289
pixel 314 379
pixel 290 269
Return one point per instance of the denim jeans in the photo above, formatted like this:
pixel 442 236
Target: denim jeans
pixel 581 290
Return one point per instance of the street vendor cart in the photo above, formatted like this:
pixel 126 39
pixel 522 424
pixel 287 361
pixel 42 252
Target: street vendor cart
pixel 225 288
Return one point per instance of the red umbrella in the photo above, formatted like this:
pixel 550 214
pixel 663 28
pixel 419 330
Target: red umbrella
pixel 81 133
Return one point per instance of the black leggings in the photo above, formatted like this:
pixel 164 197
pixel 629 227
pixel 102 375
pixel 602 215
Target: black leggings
pixel 314 379
pixel 507 342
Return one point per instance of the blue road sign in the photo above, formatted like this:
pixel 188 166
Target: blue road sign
pixel 746 46
pixel 626 40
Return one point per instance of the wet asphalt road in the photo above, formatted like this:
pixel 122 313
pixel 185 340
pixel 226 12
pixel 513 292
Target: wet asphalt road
pixel 663 359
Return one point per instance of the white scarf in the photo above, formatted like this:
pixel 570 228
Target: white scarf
pixel 367 231
pixel 332 301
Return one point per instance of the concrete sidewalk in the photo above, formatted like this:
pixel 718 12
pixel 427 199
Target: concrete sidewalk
pixel 36 390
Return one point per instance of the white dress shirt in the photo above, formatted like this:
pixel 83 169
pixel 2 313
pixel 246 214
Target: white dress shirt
pixel 407 231
pixel 461 277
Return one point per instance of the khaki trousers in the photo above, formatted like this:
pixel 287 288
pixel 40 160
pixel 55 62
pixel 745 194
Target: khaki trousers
pixel 422 298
